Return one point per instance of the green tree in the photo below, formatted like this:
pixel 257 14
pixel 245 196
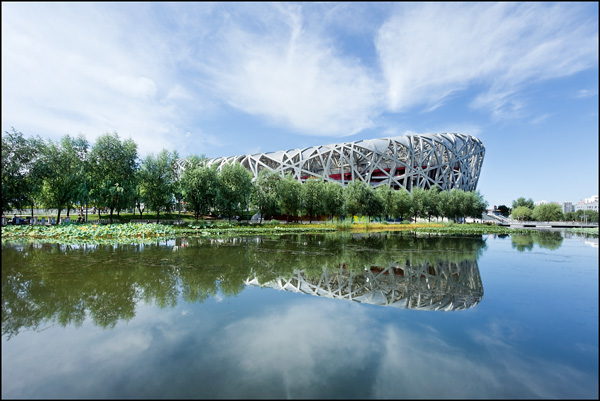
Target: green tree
pixel 21 181
pixel 404 208
pixel 333 199
pixel 200 186
pixel 387 199
pixel 312 194
pixel 476 205
pixel 264 193
pixel 157 181
pixel 454 205
pixel 523 202
pixel 289 193
pixel 374 205
pixel 431 204
pixel 521 213
pixel 571 216
pixel 591 216
pixel 64 173
pixel 112 165
pixel 504 210
pixel 547 212
pixel 418 196
pixel 356 194
pixel 235 185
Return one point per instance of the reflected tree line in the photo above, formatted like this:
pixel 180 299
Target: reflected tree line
pixel 544 239
pixel 46 284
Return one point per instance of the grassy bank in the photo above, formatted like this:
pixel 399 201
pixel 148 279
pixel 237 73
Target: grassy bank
pixel 129 231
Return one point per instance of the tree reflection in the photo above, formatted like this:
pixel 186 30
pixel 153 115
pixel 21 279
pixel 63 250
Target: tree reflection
pixel 544 239
pixel 65 284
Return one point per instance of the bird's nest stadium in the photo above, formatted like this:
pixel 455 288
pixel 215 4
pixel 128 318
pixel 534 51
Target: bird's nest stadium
pixel 418 160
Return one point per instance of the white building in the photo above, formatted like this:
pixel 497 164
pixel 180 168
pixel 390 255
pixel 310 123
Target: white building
pixel 587 206
pixel 420 160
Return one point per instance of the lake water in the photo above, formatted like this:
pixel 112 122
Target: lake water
pixel 383 315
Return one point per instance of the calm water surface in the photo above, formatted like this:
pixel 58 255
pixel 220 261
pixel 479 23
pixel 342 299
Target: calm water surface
pixel 303 316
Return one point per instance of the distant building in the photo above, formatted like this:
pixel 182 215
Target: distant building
pixel 587 206
pixel 567 207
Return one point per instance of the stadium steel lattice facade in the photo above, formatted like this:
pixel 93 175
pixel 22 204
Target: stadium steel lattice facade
pixel 426 160
pixel 444 285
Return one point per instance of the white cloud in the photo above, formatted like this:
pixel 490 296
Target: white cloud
pixel 293 78
pixel 91 69
pixel 298 346
pixel 430 51
pixel 156 71
pixel 585 93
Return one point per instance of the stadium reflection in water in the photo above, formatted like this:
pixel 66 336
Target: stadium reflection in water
pixel 444 285
pixel 44 283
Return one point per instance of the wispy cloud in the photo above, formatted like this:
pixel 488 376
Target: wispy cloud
pixel 585 93
pixel 292 77
pixel 155 71
pixel 430 51
pixel 86 68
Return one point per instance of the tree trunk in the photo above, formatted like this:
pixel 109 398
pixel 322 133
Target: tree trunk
pixel 157 217
pixel 58 216
pixel 111 215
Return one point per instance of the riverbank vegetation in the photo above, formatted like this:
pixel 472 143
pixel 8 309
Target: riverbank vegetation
pixel 525 210
pixel 135 232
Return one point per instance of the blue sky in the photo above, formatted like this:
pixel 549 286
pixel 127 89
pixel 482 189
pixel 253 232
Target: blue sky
pixel 223 79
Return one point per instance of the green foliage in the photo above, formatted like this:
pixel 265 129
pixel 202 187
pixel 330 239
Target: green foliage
pixel 158 180
pixel 64 173
pixel 504 210
pixel 333 199
pixel 374 205
pixel 357 197
pixel 312 194
pixel 417 196
pixel 21 170
pixel 200 187
pixel 404 207
pixel 468 229
pixel 289 193
pixel 235 184
pixel 544 239
pixel 591 216
pixel 431 204
pixel 547 212
pixel 528 203
pixel 387 199
pixel 111 170
pixel 521 213
pixel 264 193
pixel 476 204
